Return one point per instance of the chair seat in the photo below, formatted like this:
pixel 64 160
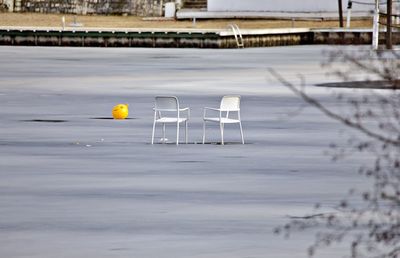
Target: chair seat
pixel 223 120
pixel 170 120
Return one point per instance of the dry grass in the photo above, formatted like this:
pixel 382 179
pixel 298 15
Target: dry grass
pixel 54 20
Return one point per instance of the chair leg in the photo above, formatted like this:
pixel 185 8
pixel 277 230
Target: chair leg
pixel 204 131
pixel 164 141
pixel 221 127
pixel 241 132
pixel 186 132
pixel 177 133
pixel 152 134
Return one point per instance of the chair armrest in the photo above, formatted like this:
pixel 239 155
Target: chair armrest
pixel 213 109
pixel 186 109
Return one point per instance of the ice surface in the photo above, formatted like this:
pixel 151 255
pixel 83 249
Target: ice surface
pixel 92 187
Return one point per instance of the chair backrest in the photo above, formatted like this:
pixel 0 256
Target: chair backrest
pixel 167 103
pixel 230 103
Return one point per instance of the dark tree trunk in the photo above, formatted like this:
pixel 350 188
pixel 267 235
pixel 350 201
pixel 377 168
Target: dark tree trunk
pixel 340 14
pixel 389 25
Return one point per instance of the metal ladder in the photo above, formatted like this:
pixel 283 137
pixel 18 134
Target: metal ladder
pixel 238 35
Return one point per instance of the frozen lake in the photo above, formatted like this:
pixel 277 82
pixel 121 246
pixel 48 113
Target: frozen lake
pixel 84 186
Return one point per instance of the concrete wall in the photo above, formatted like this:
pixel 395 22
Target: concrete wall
pixel 134 7
pixel 282 5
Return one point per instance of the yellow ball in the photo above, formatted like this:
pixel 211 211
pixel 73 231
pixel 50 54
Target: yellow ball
pixel 120 111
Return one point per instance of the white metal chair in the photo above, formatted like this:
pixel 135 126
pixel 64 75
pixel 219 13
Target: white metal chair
pixel 169 105
pixel 228 104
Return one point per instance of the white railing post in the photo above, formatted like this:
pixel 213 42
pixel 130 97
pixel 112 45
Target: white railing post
pixel 375 33
pixel 238 35
pixel 348 18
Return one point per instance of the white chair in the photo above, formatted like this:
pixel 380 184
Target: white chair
pixel 169 105
pixel 228 104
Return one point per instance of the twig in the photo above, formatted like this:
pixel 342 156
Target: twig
pixel 331 114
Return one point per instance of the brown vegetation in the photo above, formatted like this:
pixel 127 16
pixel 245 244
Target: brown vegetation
pixel 54 20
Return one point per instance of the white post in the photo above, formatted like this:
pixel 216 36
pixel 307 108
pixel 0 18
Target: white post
pixel 375 34
pixel 63 22
pixel 349 6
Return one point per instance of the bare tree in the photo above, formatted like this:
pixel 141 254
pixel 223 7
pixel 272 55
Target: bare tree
pixel 370 226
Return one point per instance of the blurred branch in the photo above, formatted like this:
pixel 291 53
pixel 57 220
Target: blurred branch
pixel 331 114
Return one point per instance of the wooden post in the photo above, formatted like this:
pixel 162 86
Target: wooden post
pixel 340 13
pixel 389 24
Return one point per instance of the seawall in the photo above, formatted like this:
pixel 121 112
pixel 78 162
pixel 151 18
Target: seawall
pixel 182 38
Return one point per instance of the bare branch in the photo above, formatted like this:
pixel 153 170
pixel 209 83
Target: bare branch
pixel 331 114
